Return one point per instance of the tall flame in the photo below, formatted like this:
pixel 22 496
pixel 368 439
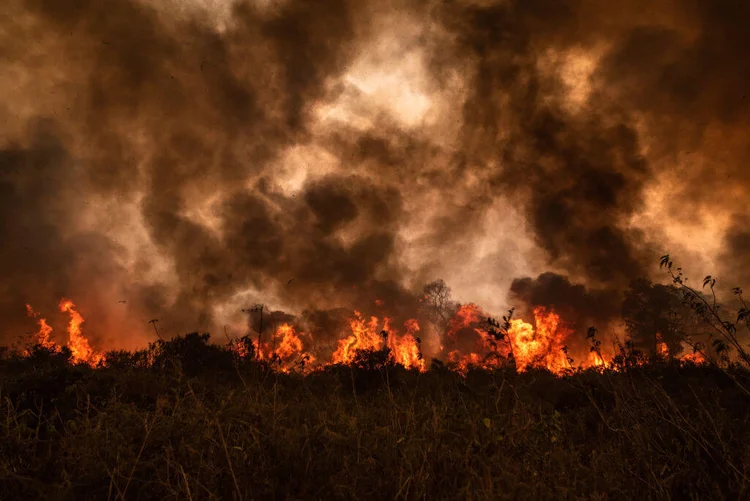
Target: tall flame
pixel 405 349
pixel 540 345
pixel 77 342
pixel 43 336
pixel 364 336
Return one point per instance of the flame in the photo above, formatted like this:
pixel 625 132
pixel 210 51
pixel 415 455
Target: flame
pixel 540 345
pixel 240 349
pixel 537 345
pixel 466 316
pixel 405 349
pixel 595 360
pixel 662 349
pixel 696 358
pixel 285 348
pixel 43 336
pixel 364 336
pixel 470 340
pixel 486 351
pixel 77 342
pixel 461 362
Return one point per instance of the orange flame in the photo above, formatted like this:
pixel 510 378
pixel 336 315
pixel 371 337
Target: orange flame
pixel 285 348
pixel 405 349
pixel 364 336
pixel 595 360
pixel 541 346
pixel 487 352
pixel 661 347
pixel 696 358
pixel 77 342
pixel 469 341
pixel 466 316
pixel 43 336
pixel 462 362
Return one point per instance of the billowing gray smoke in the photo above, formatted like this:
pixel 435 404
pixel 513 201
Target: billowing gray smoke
pixel 184 163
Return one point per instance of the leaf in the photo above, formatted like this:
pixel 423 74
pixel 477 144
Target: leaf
pixel 487 422
pixel 664 261
pixel 743 314
pixel 719 345
pixel 730 327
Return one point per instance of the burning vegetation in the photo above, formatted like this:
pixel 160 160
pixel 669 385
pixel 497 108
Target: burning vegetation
pixel 164 164
pixel 472 339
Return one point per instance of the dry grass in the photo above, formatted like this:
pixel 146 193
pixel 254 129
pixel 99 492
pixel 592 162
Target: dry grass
pixel 206 426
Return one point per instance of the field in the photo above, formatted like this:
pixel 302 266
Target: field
pixel 187 419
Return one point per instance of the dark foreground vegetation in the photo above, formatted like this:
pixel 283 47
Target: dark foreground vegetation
pixel 190 420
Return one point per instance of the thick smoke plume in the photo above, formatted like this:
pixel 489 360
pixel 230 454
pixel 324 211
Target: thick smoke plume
pixel 186 160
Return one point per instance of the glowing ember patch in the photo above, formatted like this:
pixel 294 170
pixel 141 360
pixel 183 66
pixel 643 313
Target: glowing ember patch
pixel 77 342
pixel 696 358
pixel 661 347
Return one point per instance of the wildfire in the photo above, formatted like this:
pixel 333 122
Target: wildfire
pixel 462 362
pixel 367 335
pixel 661 347
pixel 468 315
pixel 286 349
pixel 77 342
pixel 473 343
pixel 540 345
pixel 405 349
pixel 696 358
pixel 595 360
pixel 364 336
pixel 43 336
pixel 471 340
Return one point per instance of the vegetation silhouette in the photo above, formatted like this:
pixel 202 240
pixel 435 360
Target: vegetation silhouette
pixel 187 418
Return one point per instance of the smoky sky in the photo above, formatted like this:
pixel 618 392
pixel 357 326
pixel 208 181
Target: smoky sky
pixel 185 163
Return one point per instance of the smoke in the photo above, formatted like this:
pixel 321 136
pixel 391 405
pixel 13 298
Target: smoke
pixel 580 307
pixel 736 256
pixel 194 161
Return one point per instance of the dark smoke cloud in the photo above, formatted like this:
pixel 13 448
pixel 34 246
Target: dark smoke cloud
pixel 580 178
pixel 579 306
pixel 177 132
pixel 736 255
